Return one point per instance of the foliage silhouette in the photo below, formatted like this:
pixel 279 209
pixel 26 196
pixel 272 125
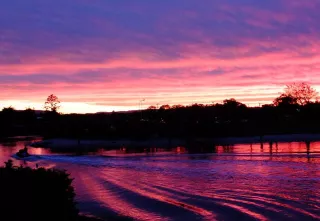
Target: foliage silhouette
pixel 231 118
pixel 152 107
pixel 302 92
pixel 285 100
pixel 36 194
pixel 52 103
pixel 165 107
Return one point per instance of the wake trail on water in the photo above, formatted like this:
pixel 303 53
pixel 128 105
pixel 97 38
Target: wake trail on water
pixel 32 158
pixel 199 186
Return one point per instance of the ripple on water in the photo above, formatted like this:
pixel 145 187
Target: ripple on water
pixel 211 190
pixel 238 185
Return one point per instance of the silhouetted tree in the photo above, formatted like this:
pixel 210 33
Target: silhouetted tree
pixel 165 107
pixel 50 192
pixel 233 103
pixel 230 118
pixel 52 103
pixel 302 92
pixel 285 100
pixel 152 108
pixel 177 106
pixel 8 114
pixel 29 112
pixel 9 164
pixel 196 105
pixel 8 110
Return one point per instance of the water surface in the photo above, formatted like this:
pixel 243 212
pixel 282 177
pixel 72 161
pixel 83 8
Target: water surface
pixel 240 182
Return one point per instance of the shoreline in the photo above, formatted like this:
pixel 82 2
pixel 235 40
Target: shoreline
pixel 64 143
pixel 268 138
pixel 71 144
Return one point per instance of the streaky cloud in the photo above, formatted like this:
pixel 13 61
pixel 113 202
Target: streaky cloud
pixel 179 51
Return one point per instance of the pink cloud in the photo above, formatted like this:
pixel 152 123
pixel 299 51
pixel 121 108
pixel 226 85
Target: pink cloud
pixel 110 55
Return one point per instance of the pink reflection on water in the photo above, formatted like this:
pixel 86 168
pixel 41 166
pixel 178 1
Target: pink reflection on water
pixel 275 147
pixel 246 211
pixel 112 201
pixel 136 187
pixel 9 148
pixel 245 178
pixel 264 193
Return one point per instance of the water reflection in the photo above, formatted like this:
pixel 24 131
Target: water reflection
pixel 280 181
pixel 11 146
pixel 221 188
pixel 273 147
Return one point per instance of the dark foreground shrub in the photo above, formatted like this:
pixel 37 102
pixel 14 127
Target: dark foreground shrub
pixel 36 194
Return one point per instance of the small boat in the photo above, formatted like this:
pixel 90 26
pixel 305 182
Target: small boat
pixel 23 153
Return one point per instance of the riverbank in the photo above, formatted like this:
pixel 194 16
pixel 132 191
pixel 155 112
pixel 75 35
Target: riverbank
pixel 268 139
pixel 74 144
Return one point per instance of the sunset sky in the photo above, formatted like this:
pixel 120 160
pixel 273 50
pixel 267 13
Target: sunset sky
pixel 104 55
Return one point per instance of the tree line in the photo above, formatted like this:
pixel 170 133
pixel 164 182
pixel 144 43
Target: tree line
pixel 296 110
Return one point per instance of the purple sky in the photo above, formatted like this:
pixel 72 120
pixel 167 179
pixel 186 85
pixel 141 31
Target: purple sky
pixel 100 55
